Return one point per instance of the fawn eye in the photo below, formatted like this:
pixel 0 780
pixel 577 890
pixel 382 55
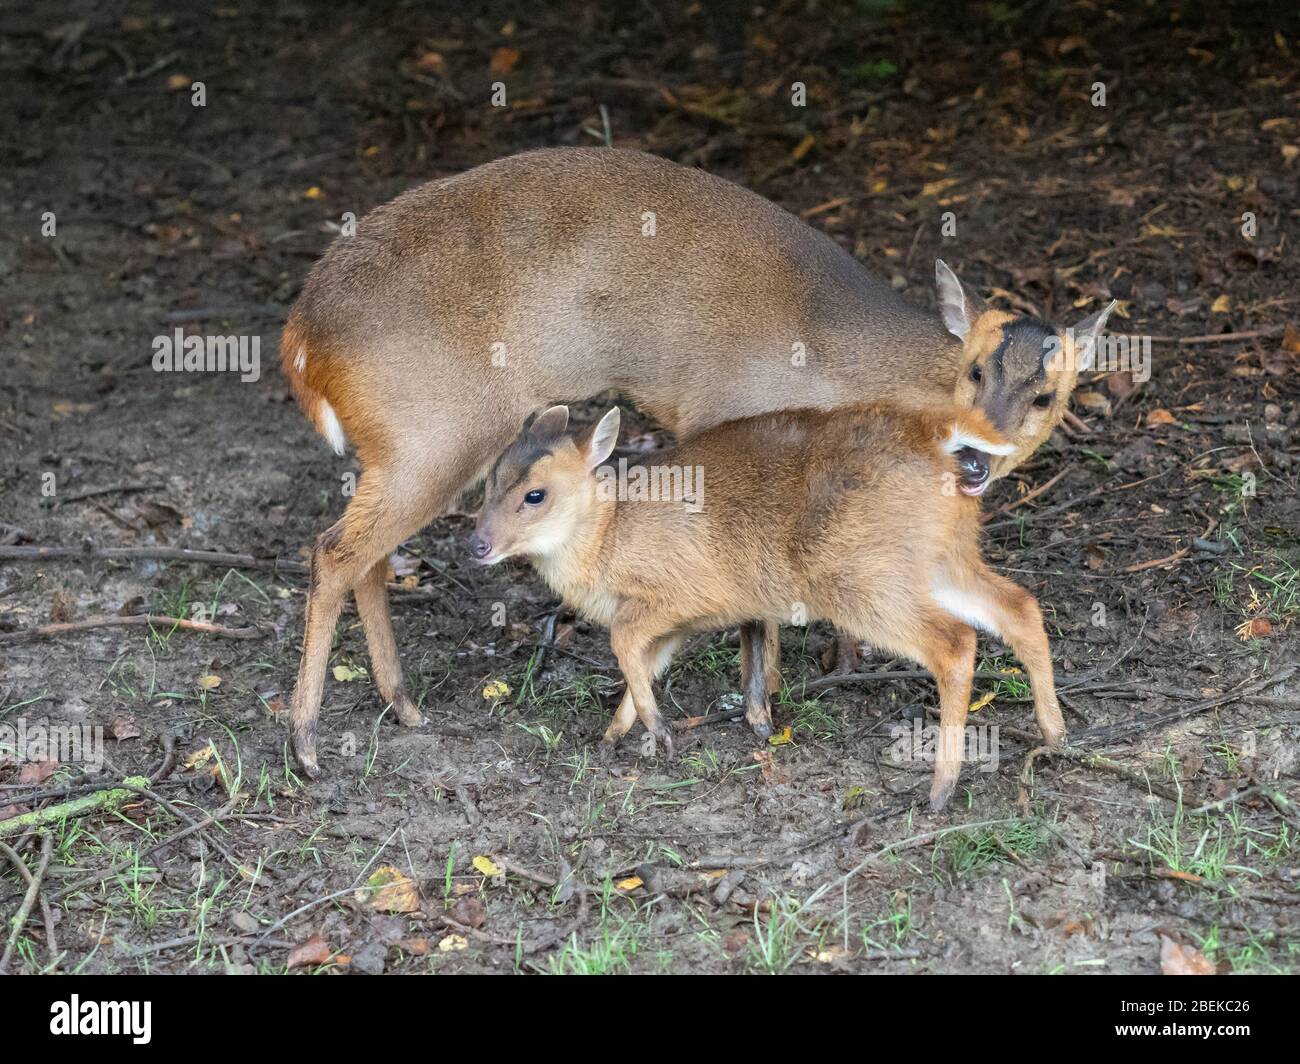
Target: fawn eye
pixel 976 374
pixel 535 497
pixel 1043 401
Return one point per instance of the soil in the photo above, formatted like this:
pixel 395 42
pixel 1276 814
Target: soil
pixel 1164 546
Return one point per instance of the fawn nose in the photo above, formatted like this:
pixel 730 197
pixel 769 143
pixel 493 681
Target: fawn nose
pixel 972 470
pixel 479 546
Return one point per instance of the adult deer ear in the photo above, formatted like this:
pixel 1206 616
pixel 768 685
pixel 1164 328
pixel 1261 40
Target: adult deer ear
pixel 1086 333
pixel 603 438
pixel 548 426
pixel 958 304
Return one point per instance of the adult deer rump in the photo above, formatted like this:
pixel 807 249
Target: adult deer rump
pixel 465 304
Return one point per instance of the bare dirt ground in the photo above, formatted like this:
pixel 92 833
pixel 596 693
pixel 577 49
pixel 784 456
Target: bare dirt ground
pixel 1161 537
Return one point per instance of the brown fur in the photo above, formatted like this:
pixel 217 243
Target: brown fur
pixel 540 260
pixel 846 516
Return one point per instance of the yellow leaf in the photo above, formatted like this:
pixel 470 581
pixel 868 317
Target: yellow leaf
pixel 982 701
pixel 486 866
pixel 453 942
pixel 178 81
pixel 346 673
pixel 313 193
pixel 1221 305
pixel 209 681
pixel 496 690
pixel 781 738
pixel 803 147
pixel 933 188
pixel 200 757
pixel 631 883
pixel 390 891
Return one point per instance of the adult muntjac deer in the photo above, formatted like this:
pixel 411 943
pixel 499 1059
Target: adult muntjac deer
pixel 863 516
pixel 467 303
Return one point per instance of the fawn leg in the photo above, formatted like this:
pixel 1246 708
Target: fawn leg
pixel 948 651
pixel 754 676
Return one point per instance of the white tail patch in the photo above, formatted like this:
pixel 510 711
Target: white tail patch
pixel 300 359
pixel 328 424
pixel 966 606
pixel 959 438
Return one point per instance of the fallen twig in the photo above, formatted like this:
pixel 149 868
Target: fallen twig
pixel 153 620
pixel 108 798
pixel 169 554
pixel 29 899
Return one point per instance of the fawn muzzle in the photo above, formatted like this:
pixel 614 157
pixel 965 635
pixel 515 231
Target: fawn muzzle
pixel 972 471
pixel 480 548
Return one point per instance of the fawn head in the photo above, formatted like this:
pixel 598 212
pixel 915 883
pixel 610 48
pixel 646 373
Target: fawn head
pixel 1018 370
pixel 542 488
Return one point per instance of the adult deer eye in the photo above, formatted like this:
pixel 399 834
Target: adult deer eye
pixel 976 374
pixel 1043 401
pixel 535 497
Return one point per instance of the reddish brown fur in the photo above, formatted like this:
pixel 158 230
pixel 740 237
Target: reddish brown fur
pixel 846 516
pixel 544 253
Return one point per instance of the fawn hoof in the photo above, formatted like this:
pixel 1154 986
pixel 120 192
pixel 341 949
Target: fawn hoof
pixel 940 792
pixel 605 750
pixel 406 711
pixel 761 728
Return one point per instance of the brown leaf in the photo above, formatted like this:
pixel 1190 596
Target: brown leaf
pixel 1093 403
pixel 37 771
pixel 417 946
pixel 504 60
pixel 1291 339
pixel 1182 960
pixel 1160 416
pixel 7 811
pixel 1120 384
pixel 469 911
pixel 63 607
pixel 124 727
pixel 390 891
pixel 314 951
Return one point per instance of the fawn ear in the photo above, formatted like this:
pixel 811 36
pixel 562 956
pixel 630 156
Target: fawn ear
pixel 603 438
pixel 1086 333
pixel 547 427
pixel 958 304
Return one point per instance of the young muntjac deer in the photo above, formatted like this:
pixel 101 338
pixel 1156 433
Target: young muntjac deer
pixel 863 516
pixel 463 305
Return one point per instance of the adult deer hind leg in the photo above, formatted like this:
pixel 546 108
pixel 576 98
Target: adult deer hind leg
pixel 352 553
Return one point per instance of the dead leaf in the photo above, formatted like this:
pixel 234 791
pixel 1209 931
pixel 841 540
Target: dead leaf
pixel 1093 403
pixel 8 811
pixel 200 757
pixel 1254 628
pixel 1120 384
pixel 348 673
pixel 37 771
pixel 631 883
pixel 417 945
pixel 453 942
pixel 1291 339
pixel 431 62
pixel 486 866
pixel 1182 960
pixel 495 691
pixel 504 60
pixel 1221 305
pixel 469 911
pixel 312 952
pixel 177 82
pixel 209 681
pixel 63 606
pixel 390 891
pixel 124 727
pixel 1160 416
